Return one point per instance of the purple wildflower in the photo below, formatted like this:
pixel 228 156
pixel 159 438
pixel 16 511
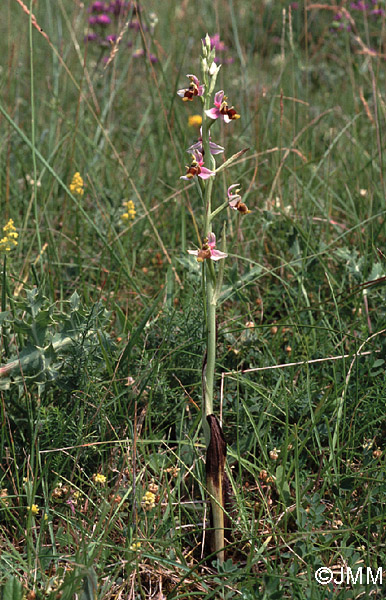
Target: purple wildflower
pixel 362 6
pixel 97 7
pixel 217 44
pixel 90 37
pixel 339 23
pixel 103 20
pixel 116 7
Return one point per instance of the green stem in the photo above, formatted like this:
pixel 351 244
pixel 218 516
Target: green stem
pixel 210 294
pixel 203 284
pixel 218 210
pixel 183 229
pixel 208 379
pixel 33 143
pixel 208 207
pixel 4 287
pixel 4 304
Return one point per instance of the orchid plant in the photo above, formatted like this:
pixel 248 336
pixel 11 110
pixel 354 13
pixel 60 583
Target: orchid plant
pixel 204 171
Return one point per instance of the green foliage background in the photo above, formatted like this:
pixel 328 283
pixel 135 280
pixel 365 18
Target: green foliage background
pixel 303 285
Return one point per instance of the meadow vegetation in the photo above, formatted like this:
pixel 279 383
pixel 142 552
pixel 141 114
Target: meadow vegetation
pixel 102 471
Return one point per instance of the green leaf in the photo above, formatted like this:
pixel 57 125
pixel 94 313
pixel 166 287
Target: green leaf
pixel 247 278
pixel 282 484
pixel 5 384
pixel 190 264
pixel 377 272
pixel 12 590
pixel 75 301
pixel 4 316
pixel 378 363
pixel 35 301
pixel 90 585
pixel 51 338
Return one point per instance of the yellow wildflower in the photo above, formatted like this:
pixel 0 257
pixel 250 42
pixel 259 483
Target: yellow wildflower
pixel 10 237
pixel 135 546
pixel 148 501
pixel 130 213
pixel 34 509
pixel 99 478
pixel 195 121
pixel 77 185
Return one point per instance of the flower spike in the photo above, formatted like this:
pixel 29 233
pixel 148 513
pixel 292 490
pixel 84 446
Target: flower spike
pixel 208 250
pixel 194 89
pixel 197 168
pixel 221 109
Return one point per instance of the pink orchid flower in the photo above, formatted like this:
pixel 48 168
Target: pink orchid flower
pixel 221 109
pixel 208 250
pixel 196 168
pixel 194 89
pixel 214 148
pixel 234 200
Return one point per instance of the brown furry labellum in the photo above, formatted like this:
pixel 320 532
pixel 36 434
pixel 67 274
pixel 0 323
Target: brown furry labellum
pixel 193 170
pixel 242 208
pixel 203 254
pixel 229 111
pixel 190 92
